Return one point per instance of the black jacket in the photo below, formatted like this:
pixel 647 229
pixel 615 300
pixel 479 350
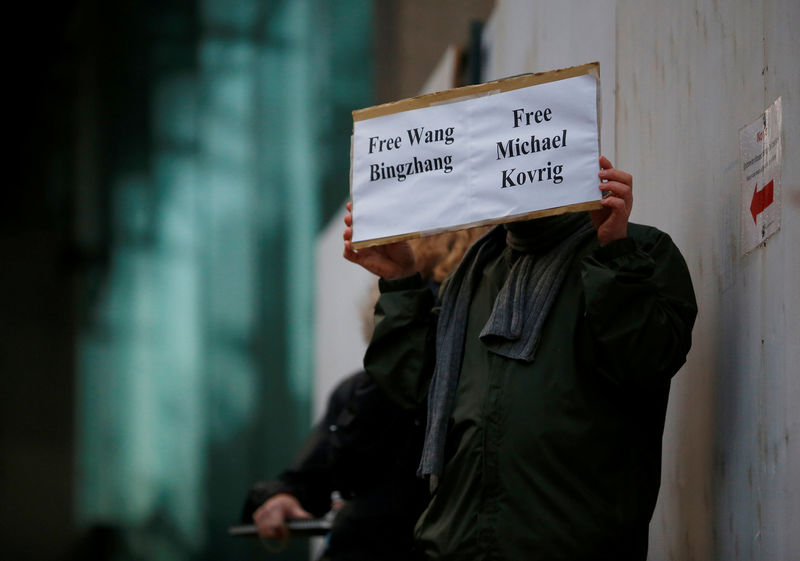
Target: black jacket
pixel 560 458
pixel 367 448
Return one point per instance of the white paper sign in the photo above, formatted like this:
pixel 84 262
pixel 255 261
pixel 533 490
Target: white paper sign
pixel 760 157
pixel 478 160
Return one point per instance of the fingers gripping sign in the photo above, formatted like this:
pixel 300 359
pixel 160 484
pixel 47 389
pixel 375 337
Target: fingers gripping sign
pixel 390 261
pixel 611 221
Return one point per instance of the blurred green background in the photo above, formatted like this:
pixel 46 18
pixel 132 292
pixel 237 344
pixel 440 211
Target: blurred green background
pixel 186 153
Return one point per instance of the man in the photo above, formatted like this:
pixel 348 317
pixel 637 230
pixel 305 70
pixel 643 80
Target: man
pixel 364 447
pixel 547 369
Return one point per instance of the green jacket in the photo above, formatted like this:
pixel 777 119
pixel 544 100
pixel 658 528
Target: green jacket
pixel 558 459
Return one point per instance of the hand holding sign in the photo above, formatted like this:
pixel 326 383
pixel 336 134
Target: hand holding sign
pixel 390 261
pixel 611 221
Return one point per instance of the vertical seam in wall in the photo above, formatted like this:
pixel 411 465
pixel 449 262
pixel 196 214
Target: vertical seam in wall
pixel 764 62
pixel 615 87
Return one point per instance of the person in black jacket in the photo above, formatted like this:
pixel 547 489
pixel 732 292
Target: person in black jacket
pixel 365 448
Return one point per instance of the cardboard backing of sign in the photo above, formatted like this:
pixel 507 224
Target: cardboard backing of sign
pixel 470 92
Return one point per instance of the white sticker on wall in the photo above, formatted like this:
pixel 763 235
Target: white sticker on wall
pixel 760 157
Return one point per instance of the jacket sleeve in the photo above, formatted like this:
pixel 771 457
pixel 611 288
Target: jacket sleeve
pixel 310 479
pixel 400 355
pixel 640 307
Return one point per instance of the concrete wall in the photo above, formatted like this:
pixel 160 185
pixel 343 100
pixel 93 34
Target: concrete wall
pixel 689 75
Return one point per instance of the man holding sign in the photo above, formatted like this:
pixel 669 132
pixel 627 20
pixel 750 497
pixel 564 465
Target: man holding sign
pixel 546 367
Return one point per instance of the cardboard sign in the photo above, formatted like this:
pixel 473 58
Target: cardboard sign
pixel 506 150
pixel 760 159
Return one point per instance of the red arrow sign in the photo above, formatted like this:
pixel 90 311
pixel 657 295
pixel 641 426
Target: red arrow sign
pixel 761 200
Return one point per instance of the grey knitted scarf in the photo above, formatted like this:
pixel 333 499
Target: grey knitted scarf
pixel 546 247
